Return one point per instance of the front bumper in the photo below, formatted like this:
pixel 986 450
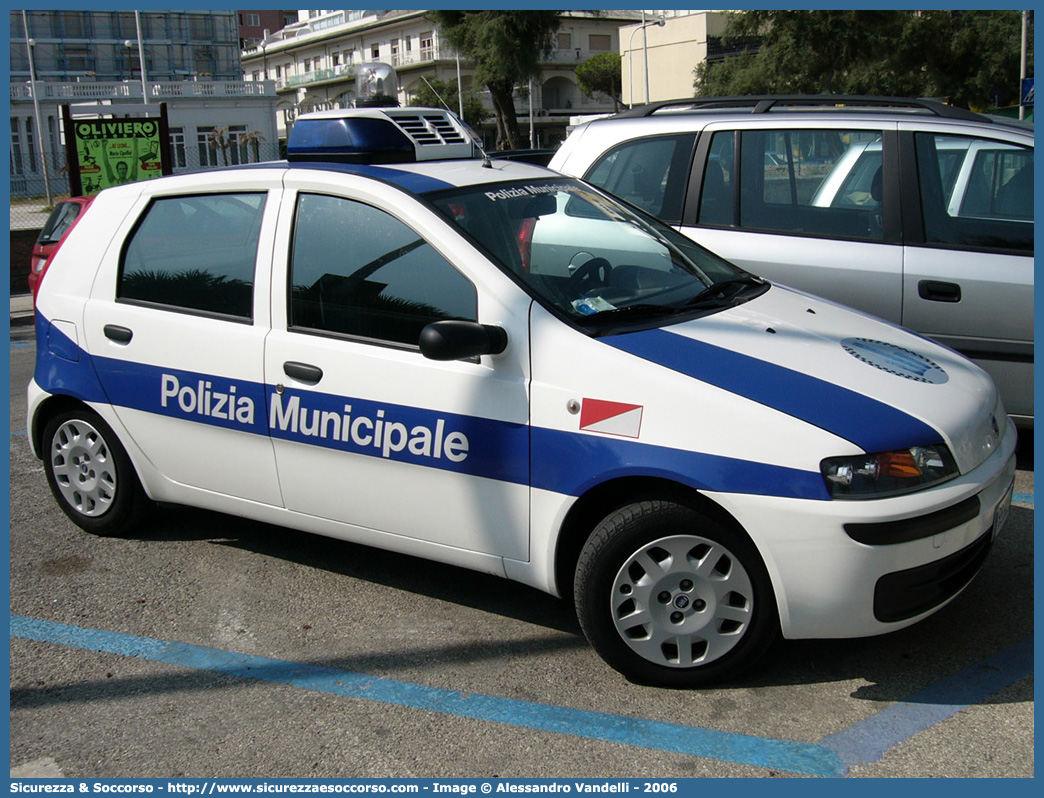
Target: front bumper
pixel 860 568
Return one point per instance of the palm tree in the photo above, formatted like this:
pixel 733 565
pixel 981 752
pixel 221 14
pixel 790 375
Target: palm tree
pixel 217 140
pixel 255 138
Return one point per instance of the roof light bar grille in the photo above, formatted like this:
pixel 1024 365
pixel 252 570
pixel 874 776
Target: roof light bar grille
pixel 428 129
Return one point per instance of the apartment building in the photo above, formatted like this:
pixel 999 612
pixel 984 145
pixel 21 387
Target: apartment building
pixel 87 58
pixel 314 64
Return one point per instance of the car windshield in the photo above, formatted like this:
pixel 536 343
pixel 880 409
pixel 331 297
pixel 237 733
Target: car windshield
pixel 592 260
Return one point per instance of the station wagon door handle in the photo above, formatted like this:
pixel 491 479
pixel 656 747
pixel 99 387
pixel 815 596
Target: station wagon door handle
pixel 938 291
pixel 302 372
pixel 120 335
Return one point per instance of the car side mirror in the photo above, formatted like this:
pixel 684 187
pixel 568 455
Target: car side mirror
pixel 459 340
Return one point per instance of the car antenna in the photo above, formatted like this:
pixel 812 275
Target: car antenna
pixel 486 162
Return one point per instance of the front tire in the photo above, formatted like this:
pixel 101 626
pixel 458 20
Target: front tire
pixel 90 474
pixel 671 597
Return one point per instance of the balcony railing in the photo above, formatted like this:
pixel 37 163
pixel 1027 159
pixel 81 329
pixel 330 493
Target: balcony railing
pixel 343 72
pixel 131 90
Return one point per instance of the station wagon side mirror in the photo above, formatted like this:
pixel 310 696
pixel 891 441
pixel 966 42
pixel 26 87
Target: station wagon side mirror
pixel 460 340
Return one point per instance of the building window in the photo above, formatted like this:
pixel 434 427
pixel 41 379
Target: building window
pixel 427 46
pixel 16 149
pixel 204 60
pixel 600 42
pixel 375 51
pixel 237 145
pixel 335 59
pixel 208 142
pixel 279 72
pixel 565 41
pixel 253 20
pixel 78 58
pixel 75 24
pixel 57 153
pixel 395 52
pixel 177 147
pixel 308 65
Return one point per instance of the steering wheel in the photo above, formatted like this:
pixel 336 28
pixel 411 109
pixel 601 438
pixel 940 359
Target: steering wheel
pixel 593 272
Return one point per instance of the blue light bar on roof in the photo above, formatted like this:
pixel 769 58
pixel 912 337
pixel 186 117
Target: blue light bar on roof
pixel 378 136
pixel 359 140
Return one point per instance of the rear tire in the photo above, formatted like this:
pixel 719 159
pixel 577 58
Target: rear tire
pixel 670 597
pixel 90 474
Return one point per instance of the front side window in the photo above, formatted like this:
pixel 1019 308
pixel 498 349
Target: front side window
pixel 976 192
pixel 360 272
pixel 590 259
pixel 650 173
pixel 195 253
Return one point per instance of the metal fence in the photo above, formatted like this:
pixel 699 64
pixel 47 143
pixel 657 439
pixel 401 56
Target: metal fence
pixel 29 190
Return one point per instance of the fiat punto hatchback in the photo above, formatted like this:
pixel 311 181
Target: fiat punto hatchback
pixel 389 340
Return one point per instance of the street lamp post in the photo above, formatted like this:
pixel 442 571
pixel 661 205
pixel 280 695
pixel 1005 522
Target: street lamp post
pixel 630 60
pixel 30 44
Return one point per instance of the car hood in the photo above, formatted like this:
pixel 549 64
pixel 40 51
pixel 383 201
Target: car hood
pixel 872 383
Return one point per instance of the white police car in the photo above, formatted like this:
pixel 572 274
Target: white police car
pixel 492 365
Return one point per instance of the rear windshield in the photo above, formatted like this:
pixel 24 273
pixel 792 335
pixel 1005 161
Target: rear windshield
pixel 59 222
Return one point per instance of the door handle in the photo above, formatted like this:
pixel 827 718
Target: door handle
pixel 939 291
pixel 121 335
pixel 302 372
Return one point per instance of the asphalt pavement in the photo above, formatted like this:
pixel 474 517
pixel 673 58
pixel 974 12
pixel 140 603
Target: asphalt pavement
pixel 21 309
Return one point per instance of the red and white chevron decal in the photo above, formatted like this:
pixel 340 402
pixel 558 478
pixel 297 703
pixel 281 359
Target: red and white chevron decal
pixel 611 418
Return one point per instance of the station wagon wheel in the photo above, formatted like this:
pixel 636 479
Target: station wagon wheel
pixel 90 474
pixel 670 597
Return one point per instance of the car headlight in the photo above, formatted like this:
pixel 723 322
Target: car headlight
pixel 872 476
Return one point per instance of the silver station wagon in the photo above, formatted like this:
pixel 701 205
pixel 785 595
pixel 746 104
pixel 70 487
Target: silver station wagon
pixel 914 211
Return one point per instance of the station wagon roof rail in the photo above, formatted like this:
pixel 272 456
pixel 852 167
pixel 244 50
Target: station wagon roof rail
pixel 764 103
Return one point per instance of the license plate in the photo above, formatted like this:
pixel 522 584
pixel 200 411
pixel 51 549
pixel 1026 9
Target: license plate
pixel 1000 515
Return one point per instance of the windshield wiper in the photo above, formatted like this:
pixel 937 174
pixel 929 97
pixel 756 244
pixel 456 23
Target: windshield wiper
pixel 726 291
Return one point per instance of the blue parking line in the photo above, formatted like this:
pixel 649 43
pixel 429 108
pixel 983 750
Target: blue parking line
pixel 864 742
pixel 1022 498
pixel 801 758
pixel 869 739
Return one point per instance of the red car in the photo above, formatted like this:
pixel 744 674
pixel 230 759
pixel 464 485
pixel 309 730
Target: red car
pixel 62 219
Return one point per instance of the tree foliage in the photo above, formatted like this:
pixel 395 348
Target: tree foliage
pixel 601 73
pixel 437 93
pixel 505 48
pixel 961 56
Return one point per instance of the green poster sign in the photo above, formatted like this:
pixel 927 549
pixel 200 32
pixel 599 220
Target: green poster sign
pixel 111 152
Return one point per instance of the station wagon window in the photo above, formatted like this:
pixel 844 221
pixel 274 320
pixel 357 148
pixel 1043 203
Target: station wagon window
pixel 650 173
pixel 976 192
pixel 195 253
pixel 801 181
pixel 359 271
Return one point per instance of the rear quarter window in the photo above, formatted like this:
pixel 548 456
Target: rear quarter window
pixel 195 253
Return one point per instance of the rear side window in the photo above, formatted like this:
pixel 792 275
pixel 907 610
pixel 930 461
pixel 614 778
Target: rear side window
pixel 976 192
pixel 806 182
pixel 196 254
pixel 650 173
pixel 361 272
